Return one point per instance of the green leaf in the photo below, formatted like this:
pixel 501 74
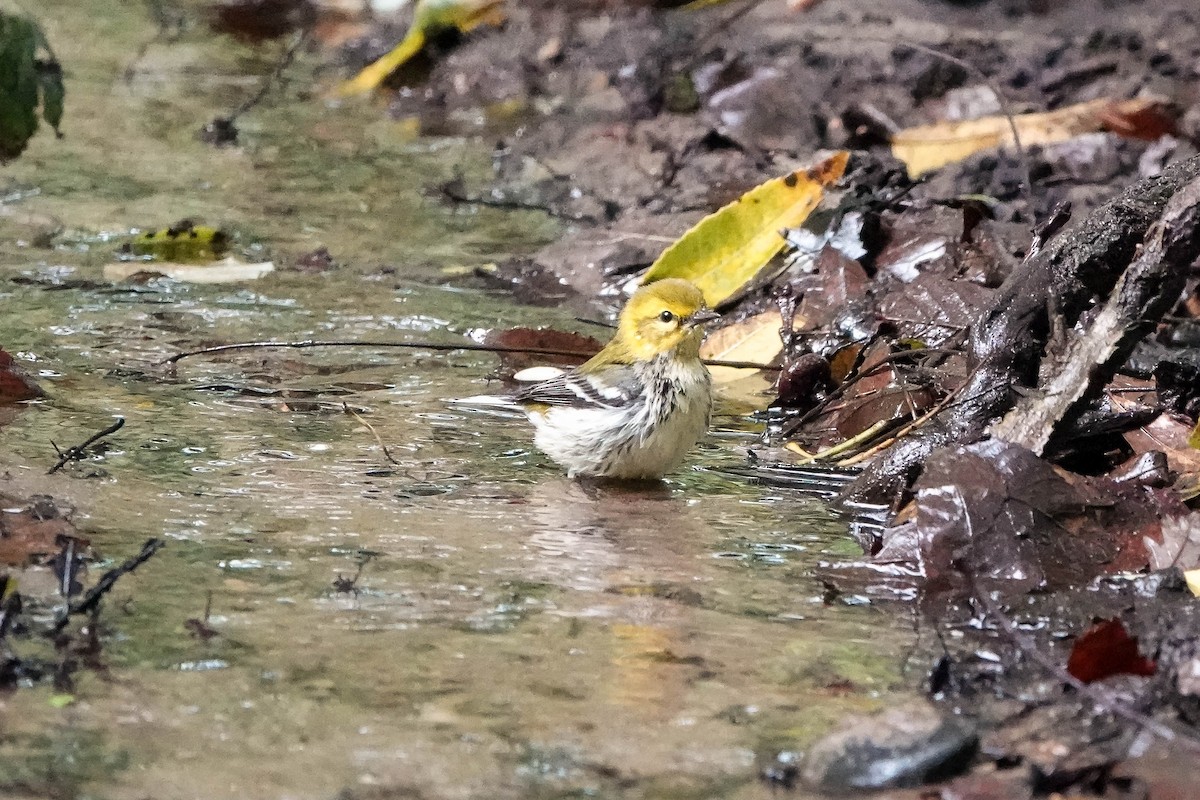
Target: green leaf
pixel 18 84
pixel 730 246
pixel 50 79
pixel 23 78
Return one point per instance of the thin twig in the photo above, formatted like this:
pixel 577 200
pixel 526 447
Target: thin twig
pixel 371 428
pixel 285 61
pixel 107 581
pixel 469 346
pixel 77 452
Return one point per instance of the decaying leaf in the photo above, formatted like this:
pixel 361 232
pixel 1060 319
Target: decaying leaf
pixel 15 385
pixel 1178 544
pixel 257 21
pixel 430 17
pixel 754 339
pixel 928 147
pixel 995 514
pixel 1104 650
pixel 227 270
pixel 730 246
pixel 1169 434
pixel 32 528
pixel 538 339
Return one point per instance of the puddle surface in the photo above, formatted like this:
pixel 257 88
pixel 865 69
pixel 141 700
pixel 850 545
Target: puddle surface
pixel 509 635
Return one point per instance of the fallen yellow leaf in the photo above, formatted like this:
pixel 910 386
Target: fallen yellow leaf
pixel 754 339
pixel 730 246
pixel 429 18
pixel 927 147
pixel 1193 581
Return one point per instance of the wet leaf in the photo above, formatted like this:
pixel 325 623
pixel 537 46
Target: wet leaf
pixel 1104 650
pixel 256 21
pixel 730 246
pixel 802 382
pixel 430 18
pixel 539 339
pixel 31 529
pixel 25 80
pixel 935 307
pixel 1179 545
pixel 1170 435
pixel 928 147
pixel 15 385
pixel 1004 518
pixel 838 282
pixel 754 339
pixel 227 270
pixel 184 241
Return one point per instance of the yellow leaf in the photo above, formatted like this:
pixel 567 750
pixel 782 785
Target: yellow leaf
pixel 929 147
pixel 430 17
pixel 755 339
pixel 183 241
pixel 729 247
pixel 1193 581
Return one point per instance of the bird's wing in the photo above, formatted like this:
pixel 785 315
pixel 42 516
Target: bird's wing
pixel 617 389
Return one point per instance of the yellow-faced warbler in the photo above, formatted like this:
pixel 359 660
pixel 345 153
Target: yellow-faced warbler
pixel 635 408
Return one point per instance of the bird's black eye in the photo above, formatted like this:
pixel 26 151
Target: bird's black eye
pixel 666 316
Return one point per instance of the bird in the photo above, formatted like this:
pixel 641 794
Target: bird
pixel 634 410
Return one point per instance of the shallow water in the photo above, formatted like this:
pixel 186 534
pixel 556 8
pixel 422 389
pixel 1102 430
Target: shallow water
pixel 510 634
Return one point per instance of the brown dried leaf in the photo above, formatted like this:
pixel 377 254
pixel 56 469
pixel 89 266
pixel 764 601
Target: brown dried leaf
pixel 928 147
pixel 31 529
pixel 540 339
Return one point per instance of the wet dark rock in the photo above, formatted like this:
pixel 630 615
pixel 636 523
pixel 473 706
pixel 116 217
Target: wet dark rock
pixel 907 745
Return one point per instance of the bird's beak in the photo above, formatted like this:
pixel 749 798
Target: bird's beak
pixel 702 316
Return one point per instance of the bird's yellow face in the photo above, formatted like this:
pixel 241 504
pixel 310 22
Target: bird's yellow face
pixel 663 316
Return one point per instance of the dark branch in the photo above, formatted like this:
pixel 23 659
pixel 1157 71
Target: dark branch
pixel 79 451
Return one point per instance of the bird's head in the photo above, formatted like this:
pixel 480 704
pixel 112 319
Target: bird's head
pixel 664 316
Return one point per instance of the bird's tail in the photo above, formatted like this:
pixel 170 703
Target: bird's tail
pixel 487 402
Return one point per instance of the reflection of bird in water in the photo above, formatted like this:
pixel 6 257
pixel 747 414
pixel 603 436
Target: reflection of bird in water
pixel 639 405
pixel 626 554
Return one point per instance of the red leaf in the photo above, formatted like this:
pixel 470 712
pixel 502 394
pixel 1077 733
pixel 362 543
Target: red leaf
pixel 14 385
pixel 1107 649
